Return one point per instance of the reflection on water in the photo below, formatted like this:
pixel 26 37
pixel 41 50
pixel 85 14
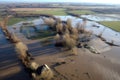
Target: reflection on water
pixel 2 38
pixel 33 32
pixel 100 18
pixel 108 34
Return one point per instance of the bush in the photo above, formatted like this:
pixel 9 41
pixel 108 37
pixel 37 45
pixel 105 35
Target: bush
pixel 57 38
pixel 69 25
pixel 59 28
pixel 80 28
pixel 50 22
pixel 69 42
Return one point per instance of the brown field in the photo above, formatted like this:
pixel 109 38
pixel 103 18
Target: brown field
pixel 51 11
pixel 33 9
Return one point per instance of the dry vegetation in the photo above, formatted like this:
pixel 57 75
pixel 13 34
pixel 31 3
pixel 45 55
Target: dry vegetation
pixel 52 11
pixel 69 37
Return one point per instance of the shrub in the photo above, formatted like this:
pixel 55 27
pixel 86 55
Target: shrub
pixel 57 38
pixel 69 25
pixel 21 49
pixel 59 28
pixel 49 21
pixel 69 42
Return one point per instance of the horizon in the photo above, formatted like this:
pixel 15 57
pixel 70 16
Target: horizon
pixel 107 2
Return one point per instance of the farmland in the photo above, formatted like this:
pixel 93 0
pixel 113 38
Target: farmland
pixel 66 40
pixel 115 25
pixel 15 20
pixel 51 11
pixel 82 12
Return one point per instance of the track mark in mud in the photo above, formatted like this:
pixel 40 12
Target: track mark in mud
pixel 107 73
pixel 87 74
pixel 57 73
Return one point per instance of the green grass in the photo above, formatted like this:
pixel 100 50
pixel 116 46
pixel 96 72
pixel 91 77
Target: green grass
pixel 13 20
pixel 115 25
pixel 43 34
pixel 51 12
pixel 82 12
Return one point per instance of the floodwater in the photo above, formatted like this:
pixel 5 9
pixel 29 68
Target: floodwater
pixel 108 70
pixel 31 32
pixel 2 39
pixel 108 34
pixel 100 18
pixel 10 66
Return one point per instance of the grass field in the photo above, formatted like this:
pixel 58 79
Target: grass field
pixel 13 20
pixel 115 25
pixel 82 12
pixel 51 11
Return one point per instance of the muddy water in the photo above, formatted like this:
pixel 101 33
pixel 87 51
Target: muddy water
pixel 10 67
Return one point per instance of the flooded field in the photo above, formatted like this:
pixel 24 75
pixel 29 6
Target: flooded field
pixel 108 34
pixel 101 18
pixel 34 32
pixel 103 66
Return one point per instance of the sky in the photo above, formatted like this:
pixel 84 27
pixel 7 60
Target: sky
pixel 87 1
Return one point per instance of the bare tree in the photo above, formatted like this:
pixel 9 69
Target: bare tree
pixel 50 22
pixel 57 38
pixel 69 24
pixel 80 28
pixel 22 51
pixel 59 28
pixel 70 43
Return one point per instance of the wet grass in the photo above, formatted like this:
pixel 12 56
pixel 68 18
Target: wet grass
pixel 82 12
pixel 115 25
pixel 43 34
pixel 14 20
